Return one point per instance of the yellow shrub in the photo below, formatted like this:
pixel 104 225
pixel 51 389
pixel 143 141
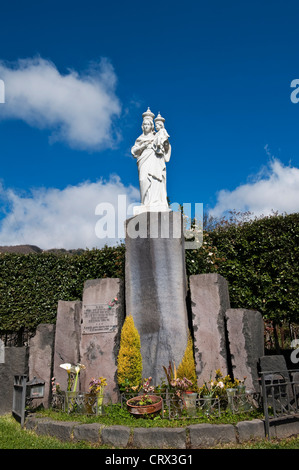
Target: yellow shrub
pixel 129 360
pixel 187 366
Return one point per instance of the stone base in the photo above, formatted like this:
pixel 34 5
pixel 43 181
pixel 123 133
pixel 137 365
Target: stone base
pixel 156 290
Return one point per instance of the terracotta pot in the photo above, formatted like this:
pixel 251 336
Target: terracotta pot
pixel 141 410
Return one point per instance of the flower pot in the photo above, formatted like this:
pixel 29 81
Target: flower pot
pixel 140 410
pixel 90 403
pixel 232 404
pixel 189 399
pixel 207 404
pixel 73 402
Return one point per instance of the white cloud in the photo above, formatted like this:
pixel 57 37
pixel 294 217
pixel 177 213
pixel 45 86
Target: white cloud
pixel 76 108
pixel 53 218
pixel 275 188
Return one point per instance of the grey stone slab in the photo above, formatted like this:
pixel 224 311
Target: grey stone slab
pixel 273 363
pixel 99 345
pixel 41 348
pixel 209 302
pixel 62 430
pixel 274 368
pixel 87 432
pixel 116 436
pixel 245 330
pixel 31 422
pixel 209 435
pixel 160 438
pixel 156 289
pixel 67 338
pixel 16 363
pixel 248 430
pixel 284 427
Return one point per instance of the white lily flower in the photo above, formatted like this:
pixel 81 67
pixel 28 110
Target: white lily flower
pixel 67 366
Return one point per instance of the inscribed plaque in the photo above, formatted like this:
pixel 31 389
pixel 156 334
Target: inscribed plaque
pixel 99 318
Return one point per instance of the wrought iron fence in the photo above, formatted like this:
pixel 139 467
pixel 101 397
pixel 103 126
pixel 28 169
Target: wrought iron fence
pixel 280 393
pixel 187 406
pixel 81 402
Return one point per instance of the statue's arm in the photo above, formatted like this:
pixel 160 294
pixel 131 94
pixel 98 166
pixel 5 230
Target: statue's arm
pixel 139 146
pixel 167 148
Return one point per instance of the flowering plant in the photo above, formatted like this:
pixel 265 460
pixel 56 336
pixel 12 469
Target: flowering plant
pixel 55 386
pixel 73 374
pixel 147 388
pixel 177 384
pixel 113 302
pixel 217 387
pixel 97 385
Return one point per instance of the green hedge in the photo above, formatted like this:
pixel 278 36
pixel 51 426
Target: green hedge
pixel 32 284
pixel 259 259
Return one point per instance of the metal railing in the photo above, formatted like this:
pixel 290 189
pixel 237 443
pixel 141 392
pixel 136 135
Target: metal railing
pixel 174 407
pixel 80 402
pixel 280 395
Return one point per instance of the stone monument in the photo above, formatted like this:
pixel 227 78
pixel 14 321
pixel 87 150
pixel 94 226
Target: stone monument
pixel 209 302
pixel 245 330
pixel 155 257
pixel 102 318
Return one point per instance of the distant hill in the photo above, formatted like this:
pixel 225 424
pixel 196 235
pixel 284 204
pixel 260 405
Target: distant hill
pixel 26 249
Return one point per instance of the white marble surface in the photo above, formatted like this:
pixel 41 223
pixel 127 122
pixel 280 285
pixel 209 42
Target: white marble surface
pixel 152 151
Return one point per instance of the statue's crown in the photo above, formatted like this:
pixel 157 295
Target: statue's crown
pixel 148 114
pixel 159 118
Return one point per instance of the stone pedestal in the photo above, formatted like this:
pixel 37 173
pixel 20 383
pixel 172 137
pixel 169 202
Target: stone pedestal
pixel 245 330
pixel 100 332
pixel 209 302
pixel 67 339
pixel 156 288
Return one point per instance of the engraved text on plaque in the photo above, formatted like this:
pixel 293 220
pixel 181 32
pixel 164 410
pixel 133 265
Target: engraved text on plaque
pixel 99 318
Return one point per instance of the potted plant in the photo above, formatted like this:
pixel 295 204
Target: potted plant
pixel 95 396
pixel 146 403
pixel 182 390
pixel 71 394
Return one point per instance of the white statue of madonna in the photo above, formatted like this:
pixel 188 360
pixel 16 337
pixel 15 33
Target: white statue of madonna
pixel 152 150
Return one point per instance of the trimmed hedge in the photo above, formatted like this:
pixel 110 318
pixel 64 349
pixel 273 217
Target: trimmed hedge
pixel 259 259
pixel 32 284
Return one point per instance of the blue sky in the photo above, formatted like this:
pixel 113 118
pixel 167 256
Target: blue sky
pixel 78 77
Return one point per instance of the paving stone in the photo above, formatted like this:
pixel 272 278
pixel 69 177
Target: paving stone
pixel 247 430
pixel 87 432
pixel 208 435
pixel 117 436
pixel 61 429
pixel 162 438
